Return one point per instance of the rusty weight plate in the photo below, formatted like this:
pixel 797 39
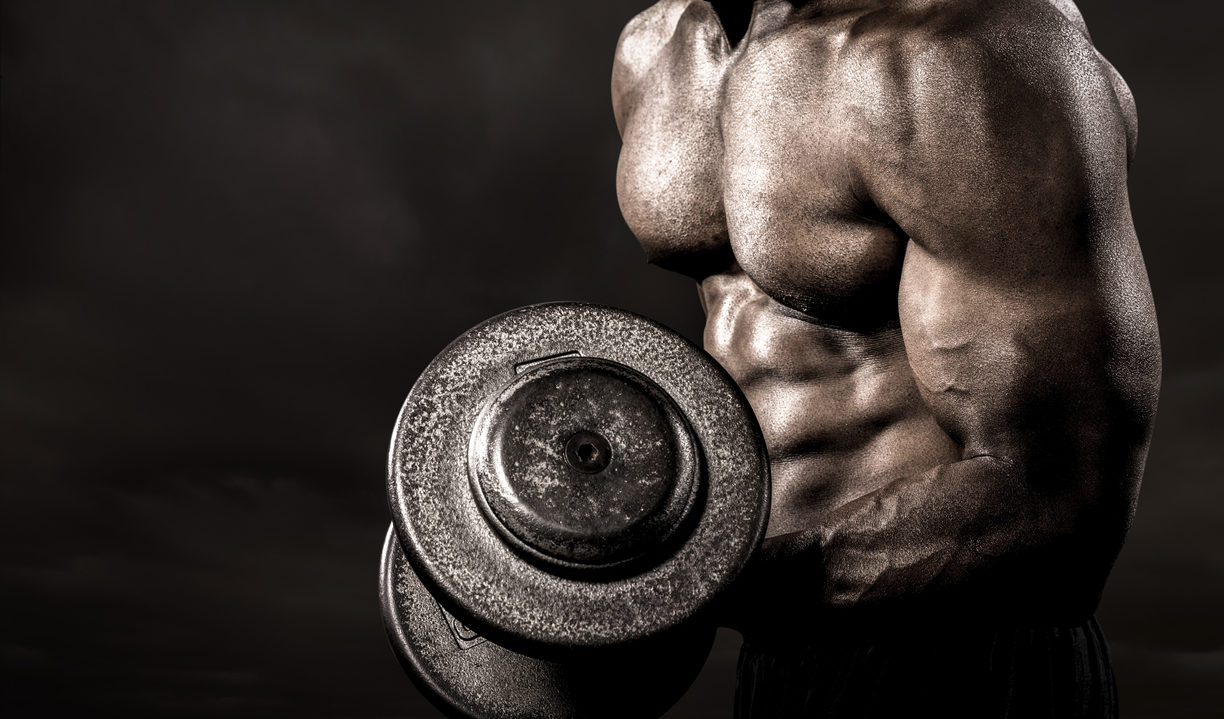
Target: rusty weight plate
pixel 466 675
pixel 574 476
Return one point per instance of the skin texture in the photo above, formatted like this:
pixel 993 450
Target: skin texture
pixel 910 227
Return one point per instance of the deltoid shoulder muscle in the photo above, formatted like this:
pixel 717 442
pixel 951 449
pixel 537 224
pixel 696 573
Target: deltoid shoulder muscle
pixel 666 87
pixel 1126 101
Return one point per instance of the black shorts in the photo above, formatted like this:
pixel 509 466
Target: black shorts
pixel 1054 672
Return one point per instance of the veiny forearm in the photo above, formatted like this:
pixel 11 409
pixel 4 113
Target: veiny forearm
pixel 968 536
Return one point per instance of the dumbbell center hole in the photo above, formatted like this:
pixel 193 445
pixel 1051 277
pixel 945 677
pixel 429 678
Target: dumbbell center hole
pixel 588 452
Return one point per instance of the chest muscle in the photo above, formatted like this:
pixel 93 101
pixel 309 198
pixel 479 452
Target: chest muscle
pixel 735 158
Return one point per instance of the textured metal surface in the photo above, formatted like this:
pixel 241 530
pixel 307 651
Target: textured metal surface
pixel 466 561
pixel 467 675
pixel 586 462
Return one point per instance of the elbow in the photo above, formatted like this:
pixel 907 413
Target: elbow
pixel 1071 544
pixel 1058 541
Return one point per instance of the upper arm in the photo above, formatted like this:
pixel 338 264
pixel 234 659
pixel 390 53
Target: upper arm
pixel 1023 299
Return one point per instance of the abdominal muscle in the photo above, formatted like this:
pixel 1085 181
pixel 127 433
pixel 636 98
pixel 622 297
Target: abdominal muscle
pixel 839 409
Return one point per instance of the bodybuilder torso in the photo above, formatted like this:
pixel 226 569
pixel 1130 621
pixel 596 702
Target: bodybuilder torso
pixel 911 237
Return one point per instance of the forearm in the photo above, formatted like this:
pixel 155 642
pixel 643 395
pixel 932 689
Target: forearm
pixel 972 533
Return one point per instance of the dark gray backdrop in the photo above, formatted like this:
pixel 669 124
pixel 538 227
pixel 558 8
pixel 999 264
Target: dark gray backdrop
pixel 233 234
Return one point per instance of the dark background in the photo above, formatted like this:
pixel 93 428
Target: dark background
pixel 233 234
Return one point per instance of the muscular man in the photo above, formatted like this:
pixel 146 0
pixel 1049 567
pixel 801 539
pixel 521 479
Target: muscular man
pixel 910 227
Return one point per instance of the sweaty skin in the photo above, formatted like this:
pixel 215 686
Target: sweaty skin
pixel 910 227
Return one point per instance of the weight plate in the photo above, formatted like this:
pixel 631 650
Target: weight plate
pixel 650 462
pixel 584 463
pixel 467 675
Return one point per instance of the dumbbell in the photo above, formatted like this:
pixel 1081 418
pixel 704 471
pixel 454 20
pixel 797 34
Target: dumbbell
pixel 572 488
